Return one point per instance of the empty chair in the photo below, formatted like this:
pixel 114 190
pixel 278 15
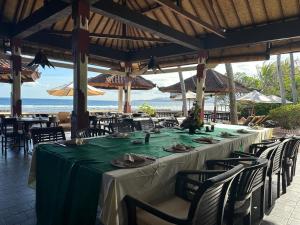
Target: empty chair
pixel 47 134
pixel 11 132
pixel 250 179
pixel 53 122
pixel 199 199
pixel 290 159
pixel 91 132
pixel 122 127
pixel 144 124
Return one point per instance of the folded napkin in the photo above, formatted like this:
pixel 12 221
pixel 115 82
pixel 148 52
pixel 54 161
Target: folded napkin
pixel 205 139
pixel 133 158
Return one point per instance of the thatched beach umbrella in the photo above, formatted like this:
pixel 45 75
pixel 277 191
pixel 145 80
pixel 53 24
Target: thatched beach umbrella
pixel 29 73
pixel 215 83
pixel 106 81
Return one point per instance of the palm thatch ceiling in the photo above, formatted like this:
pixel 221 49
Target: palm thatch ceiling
pixel 173 31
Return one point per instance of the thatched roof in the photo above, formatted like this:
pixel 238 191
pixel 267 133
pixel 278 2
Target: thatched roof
pixel 134 30
pixel 29 74
pixel 214 83
pixel 113 82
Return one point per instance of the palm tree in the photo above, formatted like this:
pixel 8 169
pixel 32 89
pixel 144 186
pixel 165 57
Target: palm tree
pixel 232 99
pixel 280 79
pixel 293 81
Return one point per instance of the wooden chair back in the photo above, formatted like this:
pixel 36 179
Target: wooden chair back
pixel 47 134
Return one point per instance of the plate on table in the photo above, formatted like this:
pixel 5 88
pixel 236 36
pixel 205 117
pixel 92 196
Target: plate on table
pixel 118 135
pixel 132 161
pixel 72 142
pixel 205 140
pixel 227 135
pixel 179 148
pixel 242 131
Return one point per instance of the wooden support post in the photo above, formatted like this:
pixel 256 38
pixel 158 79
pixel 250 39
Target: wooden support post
pixel 127 104
pixel 16 68
pixel 200 88
pixel 183 93
pixel 120 100
pixel 80 43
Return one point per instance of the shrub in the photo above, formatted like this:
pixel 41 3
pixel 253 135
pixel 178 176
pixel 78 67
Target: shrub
pixel 148 109
pixel 259 109
pixel 287 116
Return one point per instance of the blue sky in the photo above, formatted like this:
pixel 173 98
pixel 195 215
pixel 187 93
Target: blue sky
pixel 51 78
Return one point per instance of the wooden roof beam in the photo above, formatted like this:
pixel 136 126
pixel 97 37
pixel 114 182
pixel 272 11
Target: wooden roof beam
pixel 125 15
pixel 253 35
pixel 111 36
pixel 180 11
pixel 42 18
pixel 65 44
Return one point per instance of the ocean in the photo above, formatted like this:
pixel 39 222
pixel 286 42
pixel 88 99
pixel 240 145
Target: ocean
pixel 32 105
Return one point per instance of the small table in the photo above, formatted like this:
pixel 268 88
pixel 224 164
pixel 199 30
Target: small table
pixel 28 122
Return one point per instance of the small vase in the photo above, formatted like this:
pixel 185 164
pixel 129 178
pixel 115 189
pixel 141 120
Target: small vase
pixel 192 130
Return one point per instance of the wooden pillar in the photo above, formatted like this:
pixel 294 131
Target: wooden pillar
pixel 200 88
pixel 16 68
pixel 183 93
pixel 120 100
pixel 80 42
pixel 127 103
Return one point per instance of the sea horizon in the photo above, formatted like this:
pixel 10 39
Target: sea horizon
pixel 39 105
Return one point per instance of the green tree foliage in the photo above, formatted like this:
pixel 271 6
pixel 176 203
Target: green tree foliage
pixel 266 81
pixel 148 109
pixel 287 116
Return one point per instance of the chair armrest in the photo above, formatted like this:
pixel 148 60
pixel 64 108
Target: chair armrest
pixel 228 163
pixel 133 203
pixel 189 181
pixel 236 154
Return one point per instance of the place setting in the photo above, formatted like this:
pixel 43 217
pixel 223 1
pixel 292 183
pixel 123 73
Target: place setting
pixel 206 140
pixel 132 160
pixel 179 148
pixel 226 134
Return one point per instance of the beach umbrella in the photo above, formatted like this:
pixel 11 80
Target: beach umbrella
pixel 28 73
pixel 107 81
pixel 215 83
pixel 276 99
pixel 68 90
pixel 254 97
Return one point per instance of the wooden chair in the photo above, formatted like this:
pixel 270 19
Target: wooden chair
pixel 144 124
pixel 252 178
pixel 248 120
pixel 11 131
pixel 91 132
pixel 47 134
pixel 199 199
pixel 122 127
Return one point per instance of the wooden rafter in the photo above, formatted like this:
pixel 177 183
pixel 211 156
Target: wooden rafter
pixel 178 10
pixel 64 43
pixel 132 18
pixel 42 18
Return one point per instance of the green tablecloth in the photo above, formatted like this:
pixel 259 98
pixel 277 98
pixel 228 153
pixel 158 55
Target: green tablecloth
pixel 68 179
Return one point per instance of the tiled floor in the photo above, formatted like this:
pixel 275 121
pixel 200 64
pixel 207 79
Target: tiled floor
pixel 17 200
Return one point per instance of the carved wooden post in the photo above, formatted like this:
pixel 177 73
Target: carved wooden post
pixel 127 104
pixel 16 68
pixel 200 88
pixel 80 43
pixel 120 100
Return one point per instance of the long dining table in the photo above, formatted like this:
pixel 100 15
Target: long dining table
pixel 76 183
